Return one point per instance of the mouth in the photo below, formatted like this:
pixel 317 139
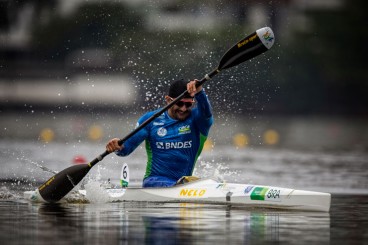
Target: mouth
pixel 181 113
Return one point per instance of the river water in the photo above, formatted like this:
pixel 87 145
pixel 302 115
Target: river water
pixel 342 173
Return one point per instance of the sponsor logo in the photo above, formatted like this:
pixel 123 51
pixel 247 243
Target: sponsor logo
pixel 221 186
pixel 263 193
pixel 160 145
pixel 273 195
pixel 174 145
pixel 267 36
pixel 248 189
pixel 184 129
pixel 258 193
pixel 34 197
pixel 244 42
pixel 158 123
pixel 47 183
pixel 226 187
pixel 192 192
pixel 161 132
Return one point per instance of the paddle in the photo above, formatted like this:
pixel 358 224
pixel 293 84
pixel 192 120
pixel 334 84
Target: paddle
pixel 254 44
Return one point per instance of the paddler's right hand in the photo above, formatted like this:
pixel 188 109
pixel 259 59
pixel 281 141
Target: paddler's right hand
pixel 113 145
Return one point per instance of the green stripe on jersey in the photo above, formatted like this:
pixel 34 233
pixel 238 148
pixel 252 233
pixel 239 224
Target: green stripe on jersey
pixel 149 159
pixel 202 140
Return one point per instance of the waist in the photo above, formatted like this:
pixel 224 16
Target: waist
pixel 158 181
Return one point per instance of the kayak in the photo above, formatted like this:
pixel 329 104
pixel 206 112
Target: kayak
pixel 210 191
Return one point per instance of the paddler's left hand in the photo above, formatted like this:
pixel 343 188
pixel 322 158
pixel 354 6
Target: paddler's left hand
pixel 192 88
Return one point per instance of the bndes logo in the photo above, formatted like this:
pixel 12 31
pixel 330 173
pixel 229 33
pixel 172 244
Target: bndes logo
pixel 160 145
pixel 174 145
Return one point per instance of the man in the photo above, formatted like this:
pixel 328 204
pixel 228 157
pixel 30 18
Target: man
pixel 175 139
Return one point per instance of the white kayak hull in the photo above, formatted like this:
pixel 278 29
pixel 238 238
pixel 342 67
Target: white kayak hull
pixel 211 191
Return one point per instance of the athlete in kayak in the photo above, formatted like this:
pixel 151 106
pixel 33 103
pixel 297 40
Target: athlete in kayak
pixel 175 139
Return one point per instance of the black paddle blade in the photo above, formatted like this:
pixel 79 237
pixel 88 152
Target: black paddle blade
pixel 255 44
pixel 63 182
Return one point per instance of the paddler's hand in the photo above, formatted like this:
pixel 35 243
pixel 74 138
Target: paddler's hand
pixel 113 145
pixel 192 88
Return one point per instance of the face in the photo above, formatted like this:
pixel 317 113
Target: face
pixel 181 110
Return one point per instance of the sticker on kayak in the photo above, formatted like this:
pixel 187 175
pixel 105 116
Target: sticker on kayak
pixel 266 194
pixel 34 197
pixel 192 192
pixel 248 189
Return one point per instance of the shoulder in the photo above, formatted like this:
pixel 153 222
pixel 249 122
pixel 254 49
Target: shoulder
pixel 148 115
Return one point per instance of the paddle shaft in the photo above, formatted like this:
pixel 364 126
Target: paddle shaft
pixel 157 114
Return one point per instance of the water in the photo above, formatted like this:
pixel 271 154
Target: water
pixel 341 173
pixel 139 223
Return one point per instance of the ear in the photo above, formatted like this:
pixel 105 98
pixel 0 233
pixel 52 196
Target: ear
pixel 168 99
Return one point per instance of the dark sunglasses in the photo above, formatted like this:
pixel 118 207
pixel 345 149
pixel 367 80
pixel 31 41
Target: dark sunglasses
pixel 180 103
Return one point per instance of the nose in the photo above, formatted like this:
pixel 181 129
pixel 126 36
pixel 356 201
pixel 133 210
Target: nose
pixel 183 108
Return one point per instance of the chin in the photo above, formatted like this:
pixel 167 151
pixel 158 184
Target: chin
pixel 182 117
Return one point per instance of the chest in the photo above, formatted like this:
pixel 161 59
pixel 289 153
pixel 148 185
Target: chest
pixel 167 129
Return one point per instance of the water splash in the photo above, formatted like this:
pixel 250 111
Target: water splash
pixel 22 158
pixel 5 193
pixel 219 171
pixel 96 193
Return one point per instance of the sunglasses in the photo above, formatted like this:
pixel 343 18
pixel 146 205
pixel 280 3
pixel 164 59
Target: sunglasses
pixel 180 103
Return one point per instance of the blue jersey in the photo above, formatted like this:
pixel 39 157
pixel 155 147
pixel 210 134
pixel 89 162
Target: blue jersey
pixel 173 146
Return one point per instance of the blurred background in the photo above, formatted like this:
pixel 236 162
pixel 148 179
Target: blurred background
pixel 78 70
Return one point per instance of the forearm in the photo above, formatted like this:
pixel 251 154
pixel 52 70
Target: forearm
pixel 131 144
